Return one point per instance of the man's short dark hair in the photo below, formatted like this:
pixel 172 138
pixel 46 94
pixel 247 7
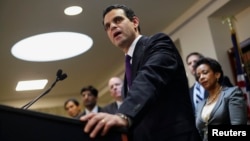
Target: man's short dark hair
pixel 90 88
pixel 194 53
pixel 128 12
pixel 73 100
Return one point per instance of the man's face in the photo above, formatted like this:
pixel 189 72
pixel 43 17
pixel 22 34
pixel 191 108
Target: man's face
pixel 121 31
pixel 191 62
pixel 72 109
pixel 115 87
pixel 89 100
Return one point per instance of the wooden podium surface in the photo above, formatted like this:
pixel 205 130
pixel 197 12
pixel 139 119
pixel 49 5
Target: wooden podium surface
pixel 26 125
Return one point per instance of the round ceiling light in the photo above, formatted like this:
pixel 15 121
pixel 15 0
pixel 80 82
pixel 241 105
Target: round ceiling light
pixel 73 10
pixel 52 46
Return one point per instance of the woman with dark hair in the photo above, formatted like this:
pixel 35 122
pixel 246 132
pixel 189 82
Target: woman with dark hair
pixel 224 105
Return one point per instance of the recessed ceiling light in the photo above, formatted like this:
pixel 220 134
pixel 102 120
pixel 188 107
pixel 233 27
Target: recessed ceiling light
pixel 31 85
pixel 52 46
pixel 73 10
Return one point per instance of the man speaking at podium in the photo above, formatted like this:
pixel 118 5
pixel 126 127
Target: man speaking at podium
pixel 156 105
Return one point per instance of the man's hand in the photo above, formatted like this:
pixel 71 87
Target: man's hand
pixel 101 123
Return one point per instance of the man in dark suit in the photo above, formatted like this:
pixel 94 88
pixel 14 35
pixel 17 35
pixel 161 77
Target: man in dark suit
pixel 156 106
pixel 191 60
pixel 89 98
pixel 115 88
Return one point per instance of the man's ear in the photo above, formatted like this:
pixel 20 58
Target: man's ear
pixel 136 21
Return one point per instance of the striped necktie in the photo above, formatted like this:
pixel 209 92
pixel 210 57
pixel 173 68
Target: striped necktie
pixel 198 94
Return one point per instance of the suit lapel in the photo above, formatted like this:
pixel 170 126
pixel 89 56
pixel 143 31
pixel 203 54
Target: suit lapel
pixel 138 55
pixel 136 61
pixel 217 105
pixel 115 107
pixel 199 110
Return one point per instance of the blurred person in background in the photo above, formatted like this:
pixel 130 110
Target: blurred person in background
pixel 115 88
pixel 89 98
pixel 72 107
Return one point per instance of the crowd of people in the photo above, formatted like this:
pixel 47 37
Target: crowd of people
pixel 89 96
pixel 155 101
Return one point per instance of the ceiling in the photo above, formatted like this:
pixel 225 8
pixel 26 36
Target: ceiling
pixel 23 18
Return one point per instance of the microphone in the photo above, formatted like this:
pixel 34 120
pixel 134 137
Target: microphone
pixel 59 77
pixel 59 73
pixel 63 76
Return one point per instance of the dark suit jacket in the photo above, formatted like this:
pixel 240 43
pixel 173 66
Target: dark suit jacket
pixel 230 109
pixel 111 108
pixel 84 113
pixel 158 102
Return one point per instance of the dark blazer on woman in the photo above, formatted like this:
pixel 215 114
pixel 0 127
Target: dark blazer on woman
pixel 230 109
pixel 158 102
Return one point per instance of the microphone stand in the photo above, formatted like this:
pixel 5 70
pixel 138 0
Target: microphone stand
pixel 26 106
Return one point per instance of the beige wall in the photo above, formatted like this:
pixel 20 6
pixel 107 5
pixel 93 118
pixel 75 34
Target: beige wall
pixel 242 24
pixel 200 29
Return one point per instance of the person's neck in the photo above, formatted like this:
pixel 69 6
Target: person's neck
pixel 125 50
pixel 215 90
pixel 126 47
pixel 118 98
pixel 90 108
pixel 214 94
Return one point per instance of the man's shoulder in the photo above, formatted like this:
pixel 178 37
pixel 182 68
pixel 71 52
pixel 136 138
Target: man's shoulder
pixel 99 108
pixel 110 105
pixel 81 114
pixel 110 108
pixel 159 36
pixel 155 39
pixel 154 36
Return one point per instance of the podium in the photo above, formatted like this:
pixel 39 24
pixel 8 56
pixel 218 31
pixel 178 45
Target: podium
pixel 27 125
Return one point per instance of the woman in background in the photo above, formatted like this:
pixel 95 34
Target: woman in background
pixel 224 105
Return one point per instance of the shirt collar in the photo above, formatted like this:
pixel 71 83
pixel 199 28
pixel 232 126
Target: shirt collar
pixel 119 103
pixel 94 110
pixel 132 46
